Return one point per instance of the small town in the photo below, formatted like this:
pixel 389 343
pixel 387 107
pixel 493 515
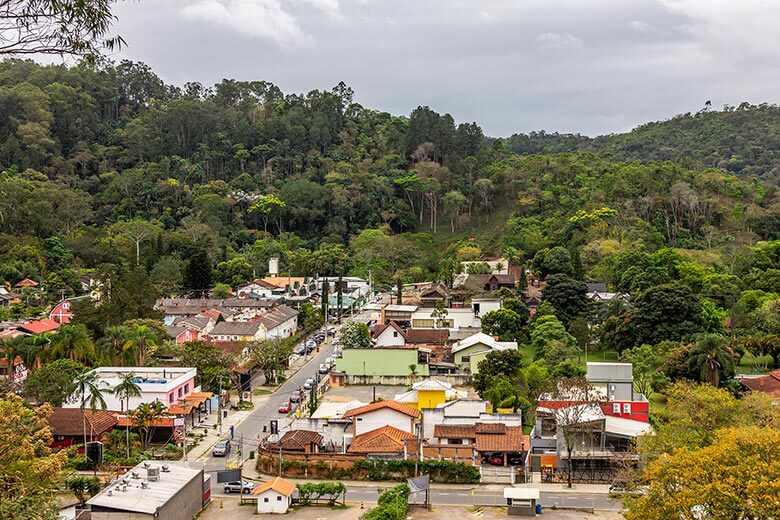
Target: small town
pixel 528 267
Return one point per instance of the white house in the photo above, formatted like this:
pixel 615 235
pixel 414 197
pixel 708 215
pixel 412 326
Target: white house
pixel 166 385
pixel 238 331
pixel 280 322
pixel 383 413
pixel 389 335
pixel 274 496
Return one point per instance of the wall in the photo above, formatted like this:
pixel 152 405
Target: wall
pixel 461 318
pixel 385 416
pixel 390 337
pixel 277 503
pixel 331 431
pixel 430 398
pixel 468 351
pixel 187 502
pixel 379 362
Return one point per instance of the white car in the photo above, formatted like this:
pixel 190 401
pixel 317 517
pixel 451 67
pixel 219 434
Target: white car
pixel 309 383
pixel 235 487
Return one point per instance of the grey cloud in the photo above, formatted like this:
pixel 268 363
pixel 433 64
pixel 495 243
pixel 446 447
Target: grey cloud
pixel 590 66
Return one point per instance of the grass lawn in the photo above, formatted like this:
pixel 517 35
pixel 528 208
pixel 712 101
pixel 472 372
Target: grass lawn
pixel 262 391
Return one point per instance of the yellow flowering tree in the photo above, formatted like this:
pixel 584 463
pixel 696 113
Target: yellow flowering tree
pixel 737 477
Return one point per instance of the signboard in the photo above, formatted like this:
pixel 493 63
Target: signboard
pixel 178 421
pixel 228 476
pixel 417 484
pixel 274 427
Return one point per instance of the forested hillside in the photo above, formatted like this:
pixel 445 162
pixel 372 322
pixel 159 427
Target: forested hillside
pixel 107 165
pixel 743 140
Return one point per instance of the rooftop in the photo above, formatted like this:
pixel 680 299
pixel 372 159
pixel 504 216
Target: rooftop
pixel 70 421
pixel 278 484
pixel 379 405
pixel 480 338
pixel 387 439
pixel 135 499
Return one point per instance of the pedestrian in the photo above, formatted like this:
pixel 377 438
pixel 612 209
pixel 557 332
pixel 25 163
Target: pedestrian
pixel 231 431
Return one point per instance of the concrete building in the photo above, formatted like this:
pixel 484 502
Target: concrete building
pixel 389 365
pixel 152 490
pixel 274 496
pixel 464 412
pixel 166 385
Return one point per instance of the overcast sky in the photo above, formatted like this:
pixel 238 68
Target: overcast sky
pixel 587 66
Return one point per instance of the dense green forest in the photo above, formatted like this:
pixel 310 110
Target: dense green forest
pixel 743 140
pixel 105 165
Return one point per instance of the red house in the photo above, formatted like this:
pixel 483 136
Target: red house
pixel 39 326
pixel 67 426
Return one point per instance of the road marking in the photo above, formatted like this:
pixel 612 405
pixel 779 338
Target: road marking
pixel 444 494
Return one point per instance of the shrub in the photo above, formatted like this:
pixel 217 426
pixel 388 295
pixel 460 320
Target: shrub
pixel 393 504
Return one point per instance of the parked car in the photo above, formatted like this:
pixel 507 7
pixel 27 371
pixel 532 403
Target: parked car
pixel 331 330
pixel 309 383
pixel 299 349
pixel 496 460
pixel 221 448
pixel 295 396
pixel 285 407
pixel 236 486
pixel 330 360
pixel 324 368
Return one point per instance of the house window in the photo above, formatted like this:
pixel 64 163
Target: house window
pixel 279 498
pixel 265 499
pixel 476 309
pixel 170 398
pixel 456 441
pixel 466 359
pixel 626 407
pixel 423 324
pixel 395 333
pixel 179 391
pixel 615 407
pixel 187 388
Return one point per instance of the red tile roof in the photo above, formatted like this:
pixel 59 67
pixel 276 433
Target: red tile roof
pixel 39 326
pixel 278 484
pixel 300 439
pixel 490 428
pixel 511 440
pixel 454 431
pixel 387 439
pixel 427 336
pixel 379 329
pixel 769 383
pixel 393 405
pixel 70 421
pixel 27 283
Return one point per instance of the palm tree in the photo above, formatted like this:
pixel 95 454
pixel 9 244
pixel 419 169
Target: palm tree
pixel 40 347
pixel 12 347
pixel 126 389
pixel 412 372
pixel 146 416
pixel 87 385
pixel 73 341
pixel 143 340
pixel 712 358
pixel 117 344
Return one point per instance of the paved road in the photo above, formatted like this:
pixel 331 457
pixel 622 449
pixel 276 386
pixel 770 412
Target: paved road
pixel 252 426
pixel 484 497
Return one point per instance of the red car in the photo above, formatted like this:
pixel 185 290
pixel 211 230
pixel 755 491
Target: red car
pixel 285 408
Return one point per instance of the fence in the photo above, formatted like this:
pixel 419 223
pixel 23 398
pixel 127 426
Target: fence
pixel 580 475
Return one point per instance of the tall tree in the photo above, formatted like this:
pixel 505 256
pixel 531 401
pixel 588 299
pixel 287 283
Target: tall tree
pixel 124 390
pixel 30 473
pixel 90 395
pixel 75 27
pixel 197 276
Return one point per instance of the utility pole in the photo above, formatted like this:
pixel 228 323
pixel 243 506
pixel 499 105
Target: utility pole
pixel 219 406
pixel 241 468
pixel 184 438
